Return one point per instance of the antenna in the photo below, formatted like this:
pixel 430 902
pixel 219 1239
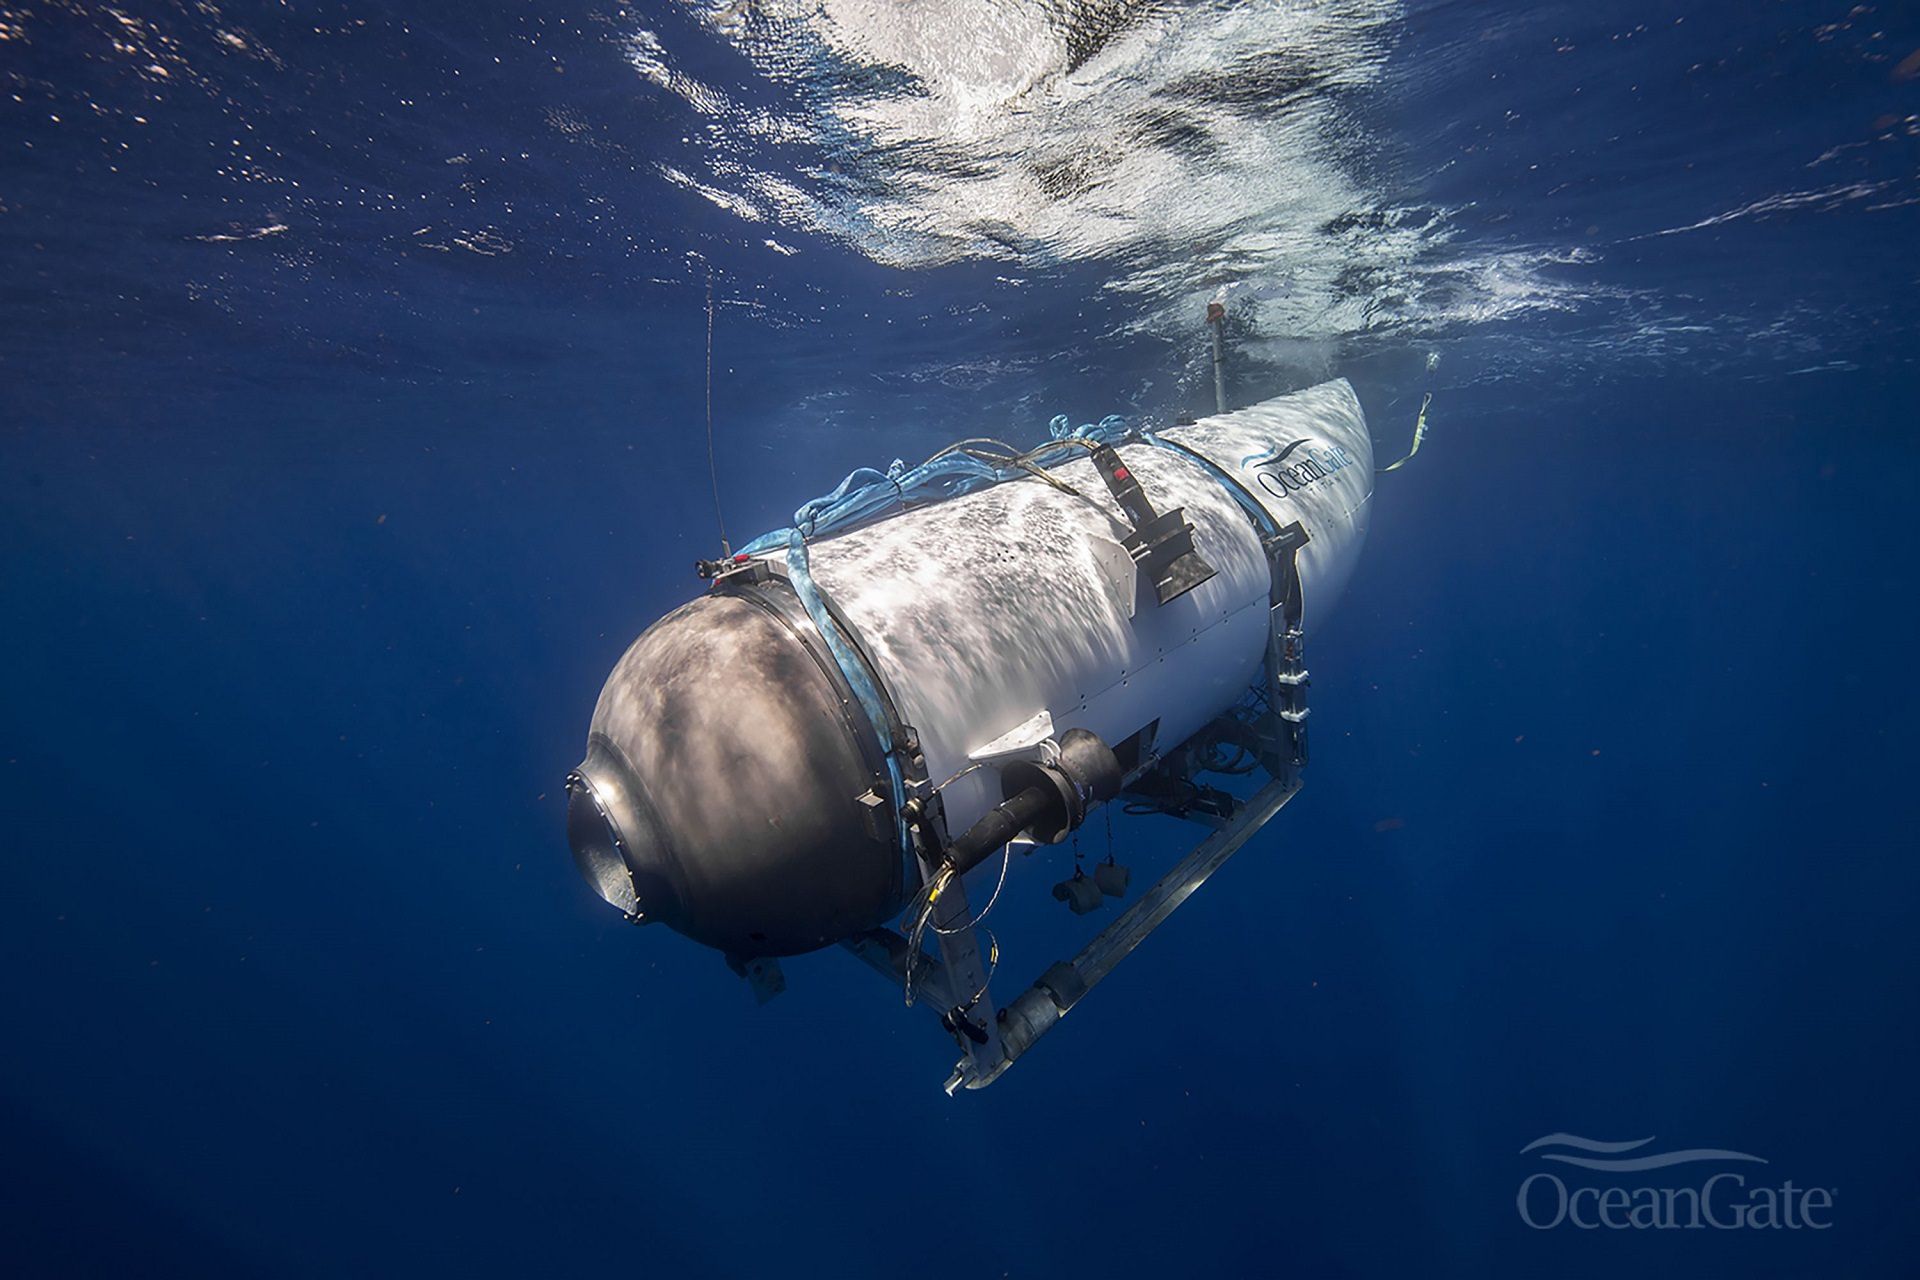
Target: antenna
pixel 713 469
pixel 1217 321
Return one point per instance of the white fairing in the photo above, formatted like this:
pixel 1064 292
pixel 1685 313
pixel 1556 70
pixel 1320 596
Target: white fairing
pixel 981 612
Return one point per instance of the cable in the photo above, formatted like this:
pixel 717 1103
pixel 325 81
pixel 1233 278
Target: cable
pixel 1025 459
pixel 1065 442
pixel 978 764
pixel 923 916
pixel 1006 856
pixel 1211 758
pixel 963 446
pixel 713 468
pixel 1042 473
pixel 993 967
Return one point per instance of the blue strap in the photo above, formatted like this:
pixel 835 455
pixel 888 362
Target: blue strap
pixel 1262 519
pixel 854 667
pixel 867 495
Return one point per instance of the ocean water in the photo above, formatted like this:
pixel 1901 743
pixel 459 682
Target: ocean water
pixel 353 418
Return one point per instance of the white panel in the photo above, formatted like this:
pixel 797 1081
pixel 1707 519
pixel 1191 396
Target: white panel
pixel 981 611
pixel 1314 483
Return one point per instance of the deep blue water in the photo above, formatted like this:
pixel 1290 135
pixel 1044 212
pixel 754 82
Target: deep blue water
pixel 352 390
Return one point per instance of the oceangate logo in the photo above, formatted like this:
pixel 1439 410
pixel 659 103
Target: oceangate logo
pixel 1281 478
pixel 1723 1201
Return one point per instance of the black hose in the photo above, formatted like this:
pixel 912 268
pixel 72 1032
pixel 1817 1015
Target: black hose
pixel 997 826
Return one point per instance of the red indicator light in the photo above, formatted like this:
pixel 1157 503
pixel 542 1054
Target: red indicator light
pixel 1119 473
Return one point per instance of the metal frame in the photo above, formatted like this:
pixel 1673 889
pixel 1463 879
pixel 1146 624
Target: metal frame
pixel 993 1038
pixel 1003 1034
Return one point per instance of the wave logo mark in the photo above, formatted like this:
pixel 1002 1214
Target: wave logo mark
pixel 1602 1153
pixel 1723 1201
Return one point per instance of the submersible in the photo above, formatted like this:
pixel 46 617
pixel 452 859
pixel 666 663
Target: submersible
pixel 853 716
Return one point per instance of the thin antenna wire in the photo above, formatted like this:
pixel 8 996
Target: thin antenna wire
pixel 713 469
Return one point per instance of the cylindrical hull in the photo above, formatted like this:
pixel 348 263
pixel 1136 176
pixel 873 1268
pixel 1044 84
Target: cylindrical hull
pixel 979 612
pixel 737 784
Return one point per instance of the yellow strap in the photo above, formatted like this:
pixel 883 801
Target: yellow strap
pixel 1419 434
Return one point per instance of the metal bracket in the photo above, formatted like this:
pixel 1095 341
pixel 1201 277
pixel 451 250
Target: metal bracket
pixel 762 974
pixel 1160 542
pixel 736 571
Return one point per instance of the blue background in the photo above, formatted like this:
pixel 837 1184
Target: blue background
pixel 316 545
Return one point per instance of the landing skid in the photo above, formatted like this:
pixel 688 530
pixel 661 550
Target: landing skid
pixel 1039 1008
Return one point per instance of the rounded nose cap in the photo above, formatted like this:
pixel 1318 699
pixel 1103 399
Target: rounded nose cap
pixel 614 843
pixel 737 777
